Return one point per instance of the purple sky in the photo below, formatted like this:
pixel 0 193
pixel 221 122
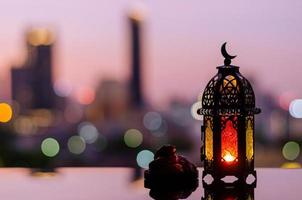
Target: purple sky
pixel 182 41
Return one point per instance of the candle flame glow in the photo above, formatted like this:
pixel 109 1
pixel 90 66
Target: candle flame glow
pixel 229 157
pixel 229 142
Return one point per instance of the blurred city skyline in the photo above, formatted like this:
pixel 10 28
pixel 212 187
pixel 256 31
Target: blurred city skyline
pixel 78 71
pixel 180 41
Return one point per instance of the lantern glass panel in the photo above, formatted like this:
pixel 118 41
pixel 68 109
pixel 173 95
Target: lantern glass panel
pixel 249 139
pixel 229 141
pixel 209 137
pixel 229 84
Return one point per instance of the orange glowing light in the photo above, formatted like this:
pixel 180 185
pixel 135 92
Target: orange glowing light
pixel 85 95
pixel 229 158
pixel 229 142
pixel 6 112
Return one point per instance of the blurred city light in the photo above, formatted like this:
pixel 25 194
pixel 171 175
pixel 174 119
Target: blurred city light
pixel 152 121
pixel 40 36
pixel 277 122
pixel 50 147
pixel 6 112
pixel 76 144
pixel 285 99
pixel 85 95
pixel 194 108
pixel 25 125
pixel 88 131
pixel 138 11
pixel 73 113
pixel 144 158
pixel 62 88
pixel 291 165
pixel 295 108
pixel 291 150
pixel 133 138
pixel 42 117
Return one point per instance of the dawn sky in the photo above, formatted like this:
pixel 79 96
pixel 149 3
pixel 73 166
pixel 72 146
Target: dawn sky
pixel 182 42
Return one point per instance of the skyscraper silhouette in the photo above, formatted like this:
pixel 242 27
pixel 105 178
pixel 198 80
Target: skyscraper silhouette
pixel 135 20
pixel 32 82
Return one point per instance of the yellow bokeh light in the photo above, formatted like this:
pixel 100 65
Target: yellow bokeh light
pixel 6 112
pixel 291 165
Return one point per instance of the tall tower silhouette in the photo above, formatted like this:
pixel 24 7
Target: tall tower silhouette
pixel 32 82
pixel 135 20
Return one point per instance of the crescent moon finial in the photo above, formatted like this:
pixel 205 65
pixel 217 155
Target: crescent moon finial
pixel 227 57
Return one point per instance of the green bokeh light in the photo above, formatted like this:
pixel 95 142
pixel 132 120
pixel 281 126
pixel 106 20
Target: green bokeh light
pixel 291 150
pixel 133 138
pixel 76 144
pixel 50 147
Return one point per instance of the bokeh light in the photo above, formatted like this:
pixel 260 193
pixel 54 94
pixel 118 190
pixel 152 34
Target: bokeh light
pixel 50 147
pixel 6 112
pixel 295 108
pixel 76 144
pixel 73 113
pixel 25 125
pixel 291 165
pixel 152 121
pixel 291 150
pixel 88 131
pixel 285 99
pixel 144 158
pixel 85 95
pixel 62 88
pixel 40 36
pixel 42 117
pixel 133 138
pixel 194 108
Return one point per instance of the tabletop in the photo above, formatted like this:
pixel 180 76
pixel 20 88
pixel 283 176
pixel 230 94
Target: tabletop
pixel 120 183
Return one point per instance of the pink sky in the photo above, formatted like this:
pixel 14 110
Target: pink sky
pixel 182 41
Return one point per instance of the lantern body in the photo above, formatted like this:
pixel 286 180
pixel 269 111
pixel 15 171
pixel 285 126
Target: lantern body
pixel 228 106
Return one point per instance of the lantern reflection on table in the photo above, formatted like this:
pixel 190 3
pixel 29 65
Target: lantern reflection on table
pixel 228 106
pixel 226 192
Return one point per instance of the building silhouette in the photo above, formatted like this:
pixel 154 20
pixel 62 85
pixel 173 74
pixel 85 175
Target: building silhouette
pixel 135 20
pixel 32 82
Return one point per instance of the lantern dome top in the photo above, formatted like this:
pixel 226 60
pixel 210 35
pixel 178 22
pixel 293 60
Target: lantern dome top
pixel 228 92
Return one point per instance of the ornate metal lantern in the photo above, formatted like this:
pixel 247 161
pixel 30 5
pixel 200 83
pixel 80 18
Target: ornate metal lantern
pixel 228 107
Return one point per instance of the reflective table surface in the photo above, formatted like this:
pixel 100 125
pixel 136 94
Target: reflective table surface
pixel 124 184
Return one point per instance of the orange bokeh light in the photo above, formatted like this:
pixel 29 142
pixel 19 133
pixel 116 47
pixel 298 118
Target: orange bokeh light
pixel 6 112
pixel 85 95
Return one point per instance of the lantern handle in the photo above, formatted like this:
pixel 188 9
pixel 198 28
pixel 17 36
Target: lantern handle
pixel 228 57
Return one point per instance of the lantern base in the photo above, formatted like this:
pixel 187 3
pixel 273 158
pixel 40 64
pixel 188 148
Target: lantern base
pixel 241 179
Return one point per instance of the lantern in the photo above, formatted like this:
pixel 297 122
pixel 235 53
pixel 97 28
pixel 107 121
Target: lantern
pixel 228 109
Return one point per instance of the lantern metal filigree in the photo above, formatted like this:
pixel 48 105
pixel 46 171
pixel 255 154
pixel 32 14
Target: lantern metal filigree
pixel 228 107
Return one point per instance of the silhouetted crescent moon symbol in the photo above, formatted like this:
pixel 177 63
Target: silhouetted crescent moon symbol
pixel 225 53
